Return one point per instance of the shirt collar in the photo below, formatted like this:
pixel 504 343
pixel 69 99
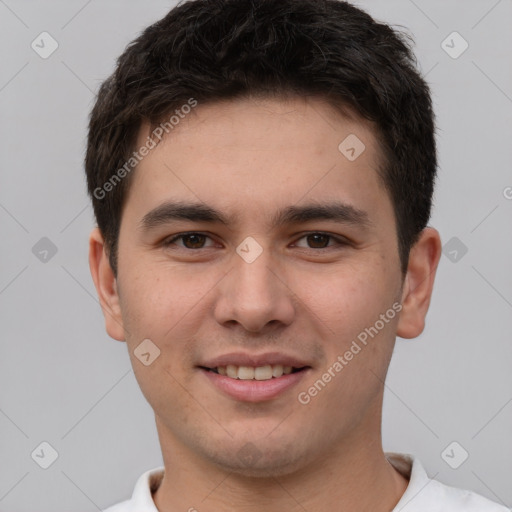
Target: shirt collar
pixel 147 483
pixel 411 468
pixel 406 464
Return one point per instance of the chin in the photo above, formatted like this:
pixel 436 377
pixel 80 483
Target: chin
pixel 259 459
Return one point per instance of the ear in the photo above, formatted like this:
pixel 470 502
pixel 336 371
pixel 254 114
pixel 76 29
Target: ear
pixel 106 285
pixel 418 284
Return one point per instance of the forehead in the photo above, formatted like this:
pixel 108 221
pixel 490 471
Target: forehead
pixel 260 155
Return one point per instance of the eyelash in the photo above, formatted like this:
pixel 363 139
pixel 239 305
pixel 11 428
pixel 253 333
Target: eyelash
pixel 339 241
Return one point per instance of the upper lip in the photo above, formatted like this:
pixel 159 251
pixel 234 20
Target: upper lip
pixel 254 360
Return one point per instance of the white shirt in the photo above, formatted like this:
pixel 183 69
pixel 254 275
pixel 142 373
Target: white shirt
pixel 422 494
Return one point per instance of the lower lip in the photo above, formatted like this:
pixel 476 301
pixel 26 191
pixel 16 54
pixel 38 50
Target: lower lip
pixel 254 390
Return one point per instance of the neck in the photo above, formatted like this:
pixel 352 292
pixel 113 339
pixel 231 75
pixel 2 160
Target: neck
pixel 353 476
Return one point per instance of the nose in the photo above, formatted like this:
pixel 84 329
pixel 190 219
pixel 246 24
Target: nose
pixel 255 295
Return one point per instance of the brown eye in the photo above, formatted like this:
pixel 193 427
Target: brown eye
pixel 195 241
pixel 318 240
pixel 189 240
pixel 322 241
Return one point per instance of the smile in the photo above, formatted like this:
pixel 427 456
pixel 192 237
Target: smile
pixel 265 372
pixel 254 383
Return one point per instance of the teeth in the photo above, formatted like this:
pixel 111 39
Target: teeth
pixel 231 371
pixel 277 370
pixel 266 372
pixel 262 372
pixel 245 373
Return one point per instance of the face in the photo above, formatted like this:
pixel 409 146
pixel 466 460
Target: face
pixel 282 258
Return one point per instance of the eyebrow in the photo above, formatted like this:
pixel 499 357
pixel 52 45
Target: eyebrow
pixel 199 212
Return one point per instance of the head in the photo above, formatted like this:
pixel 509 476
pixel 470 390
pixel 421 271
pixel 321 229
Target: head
pixel 295 140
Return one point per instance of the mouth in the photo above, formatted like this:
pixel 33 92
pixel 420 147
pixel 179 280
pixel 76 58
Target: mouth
pixel 259 373
pixel 254 378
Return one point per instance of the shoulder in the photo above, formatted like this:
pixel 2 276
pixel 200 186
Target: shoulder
pixel 124 506
pixel 456 499
pixel 142 497
pixel 425 494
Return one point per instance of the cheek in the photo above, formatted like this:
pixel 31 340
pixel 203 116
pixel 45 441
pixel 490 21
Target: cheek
pixel 349 304
pixel 161 304
pixel 157 297
pixel 167 305
pixel 357 343
pixel 346 300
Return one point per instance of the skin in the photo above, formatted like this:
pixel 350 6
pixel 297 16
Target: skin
pixel 248 158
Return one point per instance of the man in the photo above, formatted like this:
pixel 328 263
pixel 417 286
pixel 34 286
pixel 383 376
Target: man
pixel 262 174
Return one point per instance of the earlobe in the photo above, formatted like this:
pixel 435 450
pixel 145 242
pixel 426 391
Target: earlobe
pixel 106 285
pixel 419 282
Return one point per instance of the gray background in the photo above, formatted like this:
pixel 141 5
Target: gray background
pixel 64 381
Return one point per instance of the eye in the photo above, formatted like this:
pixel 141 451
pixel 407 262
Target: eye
pixel 319 240
pixel 196 241
pixel 190 240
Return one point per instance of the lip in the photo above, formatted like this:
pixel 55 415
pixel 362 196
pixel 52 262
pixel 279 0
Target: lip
pixel 254 360
pixel 254 390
